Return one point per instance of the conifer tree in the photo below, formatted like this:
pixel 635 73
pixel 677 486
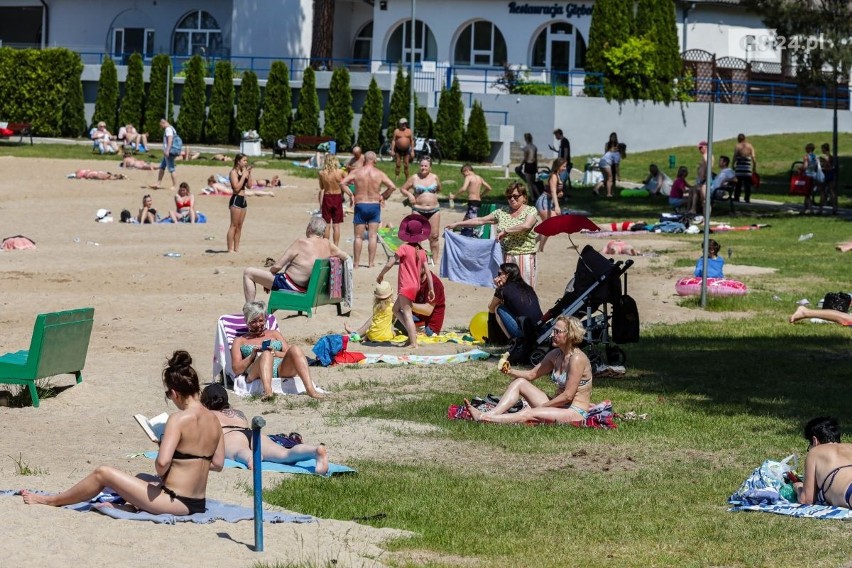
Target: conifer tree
pixel 220 118
pixel 307 111
pixel 372 114
pixel 400 101
pixel 193 101
pixel 248 103
pixel 277 115
pixel 477 144
pixel 423 122
pixel 73 106
pixel 612 24
pixel 449 127
pixel 134 93
pixel 338 109
pixel 106 102
pixel 155 103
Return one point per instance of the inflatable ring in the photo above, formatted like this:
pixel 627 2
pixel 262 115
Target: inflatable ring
pixel 722 287
pixel 638 192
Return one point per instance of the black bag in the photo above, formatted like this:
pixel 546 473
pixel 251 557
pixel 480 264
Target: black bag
pixel 520 348
pixel 839 301
pixel 625 318
pixel 495 332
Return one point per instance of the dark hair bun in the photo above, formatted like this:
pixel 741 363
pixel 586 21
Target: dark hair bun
pixel 180 360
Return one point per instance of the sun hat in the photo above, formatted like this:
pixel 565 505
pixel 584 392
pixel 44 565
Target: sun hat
pixel 102 213
pixel 382 290
pixel 214 397
pixel 702 143
pixel 414 229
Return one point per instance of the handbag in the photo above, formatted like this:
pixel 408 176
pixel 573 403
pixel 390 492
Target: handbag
pixel 819 176
pixel 801 184
pixel 839 301
pixel 755 180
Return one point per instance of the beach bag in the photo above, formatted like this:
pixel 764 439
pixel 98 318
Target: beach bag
pixel 765 482
pixel 177 145
pixel 801 184
pixel 625 318
pixel 839 301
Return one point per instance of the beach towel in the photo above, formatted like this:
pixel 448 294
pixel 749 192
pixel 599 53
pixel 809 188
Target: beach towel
pixel 286 385
pixel 216 511
pixel 798 510
pixel 18 242
pixel 328 346
pixel 472 355
pixel 469 260
pixel 227 329
pixel 600 416
pixel 335 278
pixel 303 467
pixel 199 218
pixel 348 279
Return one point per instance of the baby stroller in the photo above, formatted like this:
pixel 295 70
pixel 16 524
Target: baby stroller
pixel 596 285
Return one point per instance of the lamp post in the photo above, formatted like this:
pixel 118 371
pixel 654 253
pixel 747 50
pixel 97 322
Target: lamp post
pixel 411 68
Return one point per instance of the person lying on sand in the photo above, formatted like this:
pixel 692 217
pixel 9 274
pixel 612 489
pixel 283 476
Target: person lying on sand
pixel 274 182
pixel 238 436
pixel 218 188
pixel 829 315
pixel 191 447
pixel 97 174
pixel 130 162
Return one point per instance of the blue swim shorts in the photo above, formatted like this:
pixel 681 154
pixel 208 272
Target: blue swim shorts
pixel 366 213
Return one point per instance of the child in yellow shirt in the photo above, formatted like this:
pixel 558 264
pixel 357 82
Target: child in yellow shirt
pixel 380 325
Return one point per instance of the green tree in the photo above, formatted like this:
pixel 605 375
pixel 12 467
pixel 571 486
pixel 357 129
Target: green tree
pixel 611 26
pixel 160 89
pixel 134 92
pixel 306 121
pixel 400 101
pixel 338 109
pixel 73 105
pixel 655 21
pixel 277 104
pixel 106 102
pixel 372 114
pixel 248 103
pixel 220 118
pixel 629 69
pixel 193 101
pixel 476 141
pixel 423 121
pixel 449 126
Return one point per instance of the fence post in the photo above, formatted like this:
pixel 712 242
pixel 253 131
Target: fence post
pixel 256 424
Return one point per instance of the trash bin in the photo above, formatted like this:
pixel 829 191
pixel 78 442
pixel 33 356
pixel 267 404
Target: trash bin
pixel 250 147
pixel 672 161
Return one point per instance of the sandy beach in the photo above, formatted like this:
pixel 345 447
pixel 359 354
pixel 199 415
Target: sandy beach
pixel 147 305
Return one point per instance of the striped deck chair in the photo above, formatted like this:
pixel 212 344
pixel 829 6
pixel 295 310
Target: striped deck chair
pixel 390 242
pixel 229 327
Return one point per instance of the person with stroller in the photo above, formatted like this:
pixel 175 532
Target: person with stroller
pixel 513 299
pixel 569 369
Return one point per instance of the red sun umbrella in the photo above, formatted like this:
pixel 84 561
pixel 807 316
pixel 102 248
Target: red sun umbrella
pixel 567 224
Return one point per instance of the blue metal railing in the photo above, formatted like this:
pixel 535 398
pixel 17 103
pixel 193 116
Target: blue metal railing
pixel 771 93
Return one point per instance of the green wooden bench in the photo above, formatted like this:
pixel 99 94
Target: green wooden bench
pixel 59 345
pixel 316 294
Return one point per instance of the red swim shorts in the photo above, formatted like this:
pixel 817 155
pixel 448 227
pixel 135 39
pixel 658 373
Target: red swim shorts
pixel 332 208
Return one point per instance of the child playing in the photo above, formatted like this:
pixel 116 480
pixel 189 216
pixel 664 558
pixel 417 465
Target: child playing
pixel 380 325
pixel 413 230
pixel 715 263
pixel 473 183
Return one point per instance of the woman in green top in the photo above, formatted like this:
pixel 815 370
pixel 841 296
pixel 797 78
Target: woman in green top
pixel 514 230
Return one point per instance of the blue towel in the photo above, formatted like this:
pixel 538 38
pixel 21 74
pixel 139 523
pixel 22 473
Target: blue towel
pixel 307 466
pixel 199 218
pixel 327 347
pixel 798 510
pixel 469 260
pixel 216 510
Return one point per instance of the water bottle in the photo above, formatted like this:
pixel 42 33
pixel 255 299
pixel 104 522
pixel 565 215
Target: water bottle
pixel 806 237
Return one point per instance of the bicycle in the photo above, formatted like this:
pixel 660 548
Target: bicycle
pixel 427 148
pixel 385 152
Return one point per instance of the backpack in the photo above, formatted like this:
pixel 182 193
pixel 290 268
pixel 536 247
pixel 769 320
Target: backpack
pixel 839 301
pixel 177 145
pixel 625 318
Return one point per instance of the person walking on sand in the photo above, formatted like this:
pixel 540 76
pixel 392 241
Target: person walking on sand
pixel 331 198
pixel 168 161
pixel 367 202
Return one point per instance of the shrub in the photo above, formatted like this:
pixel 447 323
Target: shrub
pixel 477 144
pixel 134 93
pixel 338 109
pixel 220 118
pixel 400 100
pixel 106 102
pixel 160 92
pixel 277 104
pixel 372 113
pixel 307 112
pixel 190 122
pixel 248 103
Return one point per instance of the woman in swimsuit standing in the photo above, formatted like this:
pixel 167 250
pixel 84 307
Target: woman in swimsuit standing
pixel 569 369
pixel 191 447
pixel 422 190
pixel 240 177
pixel 828 466
pixel 238 436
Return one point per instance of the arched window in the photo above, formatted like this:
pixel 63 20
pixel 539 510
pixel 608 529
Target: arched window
pixel 555 45
pixel 363 48
pixel 480 43
pixel 198 32
pixel 399 45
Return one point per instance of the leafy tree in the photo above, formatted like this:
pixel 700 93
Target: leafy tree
pixel 400 102
pixel 160 87
pixel 476 141
pixel 449 127
pixel 248 103
pixel 307 111
pixel 106 103
pixel 372 114
pixel 190 122
pixel 655 21
pixel 277 104
pixel 338 109
pixel 220 119
pixel 611 26
pixel 134 92
pixel 629 67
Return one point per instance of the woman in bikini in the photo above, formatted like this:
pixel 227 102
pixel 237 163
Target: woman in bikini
pixel 191 447
pixel 828 466
pixel 238 436
pixel 569 369
pixel 184 205
pixel 263 354
pixel 547 203
pixel 422 190
pixel 240 178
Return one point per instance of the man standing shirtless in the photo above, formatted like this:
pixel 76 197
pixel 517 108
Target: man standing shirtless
pixel 473 185
pixel 357 159
pixel 293 270
pixel 402 145
pixel 331 198
pixel 367 201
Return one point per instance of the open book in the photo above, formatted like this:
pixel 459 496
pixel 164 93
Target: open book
pixel 154 427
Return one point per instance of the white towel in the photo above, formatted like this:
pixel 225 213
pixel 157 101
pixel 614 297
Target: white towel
pixel 293 385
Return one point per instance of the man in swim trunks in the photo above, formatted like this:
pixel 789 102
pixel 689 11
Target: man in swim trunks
pixel 828 466
pixel 293 270
pixel 402 145
pixel 331 198
pixel 367 201
pixel 356 161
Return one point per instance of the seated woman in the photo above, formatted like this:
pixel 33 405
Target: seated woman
pixel 147 213
pixel 263 354
pixel 191 447
pixel 828 466
pixel 97 174
pixel 130 162
pixel 657 182
pixel 679 192
pixel 569 369
pixel 131 137
pixel 216 187
pixel 512 300
pixel 238 436
pixel 184 205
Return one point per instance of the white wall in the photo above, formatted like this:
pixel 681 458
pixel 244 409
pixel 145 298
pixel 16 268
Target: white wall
pixel 265 28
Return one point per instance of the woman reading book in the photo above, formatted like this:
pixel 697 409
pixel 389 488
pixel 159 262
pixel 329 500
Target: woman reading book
pixel 192 445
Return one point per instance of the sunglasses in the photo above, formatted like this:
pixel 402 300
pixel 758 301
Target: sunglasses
pixel 515 196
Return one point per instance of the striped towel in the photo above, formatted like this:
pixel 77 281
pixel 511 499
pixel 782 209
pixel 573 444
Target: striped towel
pixel 229 327
pixel 335 278
pixel 797 510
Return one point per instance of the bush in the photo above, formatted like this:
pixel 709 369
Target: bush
pixel 134 93
pixel 400 101
pixel 106 102
pixel 190 122
pixel 73 120
pixel 277 104
pixel 338 109
pixel 220 118
pixel 248 103
pixel 307 112
pixel 372 113
pixel 155 102
pixel 450 124
pixel 477 144
pixel 546 89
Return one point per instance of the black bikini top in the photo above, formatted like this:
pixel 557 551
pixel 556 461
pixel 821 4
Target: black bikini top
pixel 178 455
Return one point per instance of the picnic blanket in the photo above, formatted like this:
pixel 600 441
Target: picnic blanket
pixel 216 511
pixel 303 467
pixel 472 355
